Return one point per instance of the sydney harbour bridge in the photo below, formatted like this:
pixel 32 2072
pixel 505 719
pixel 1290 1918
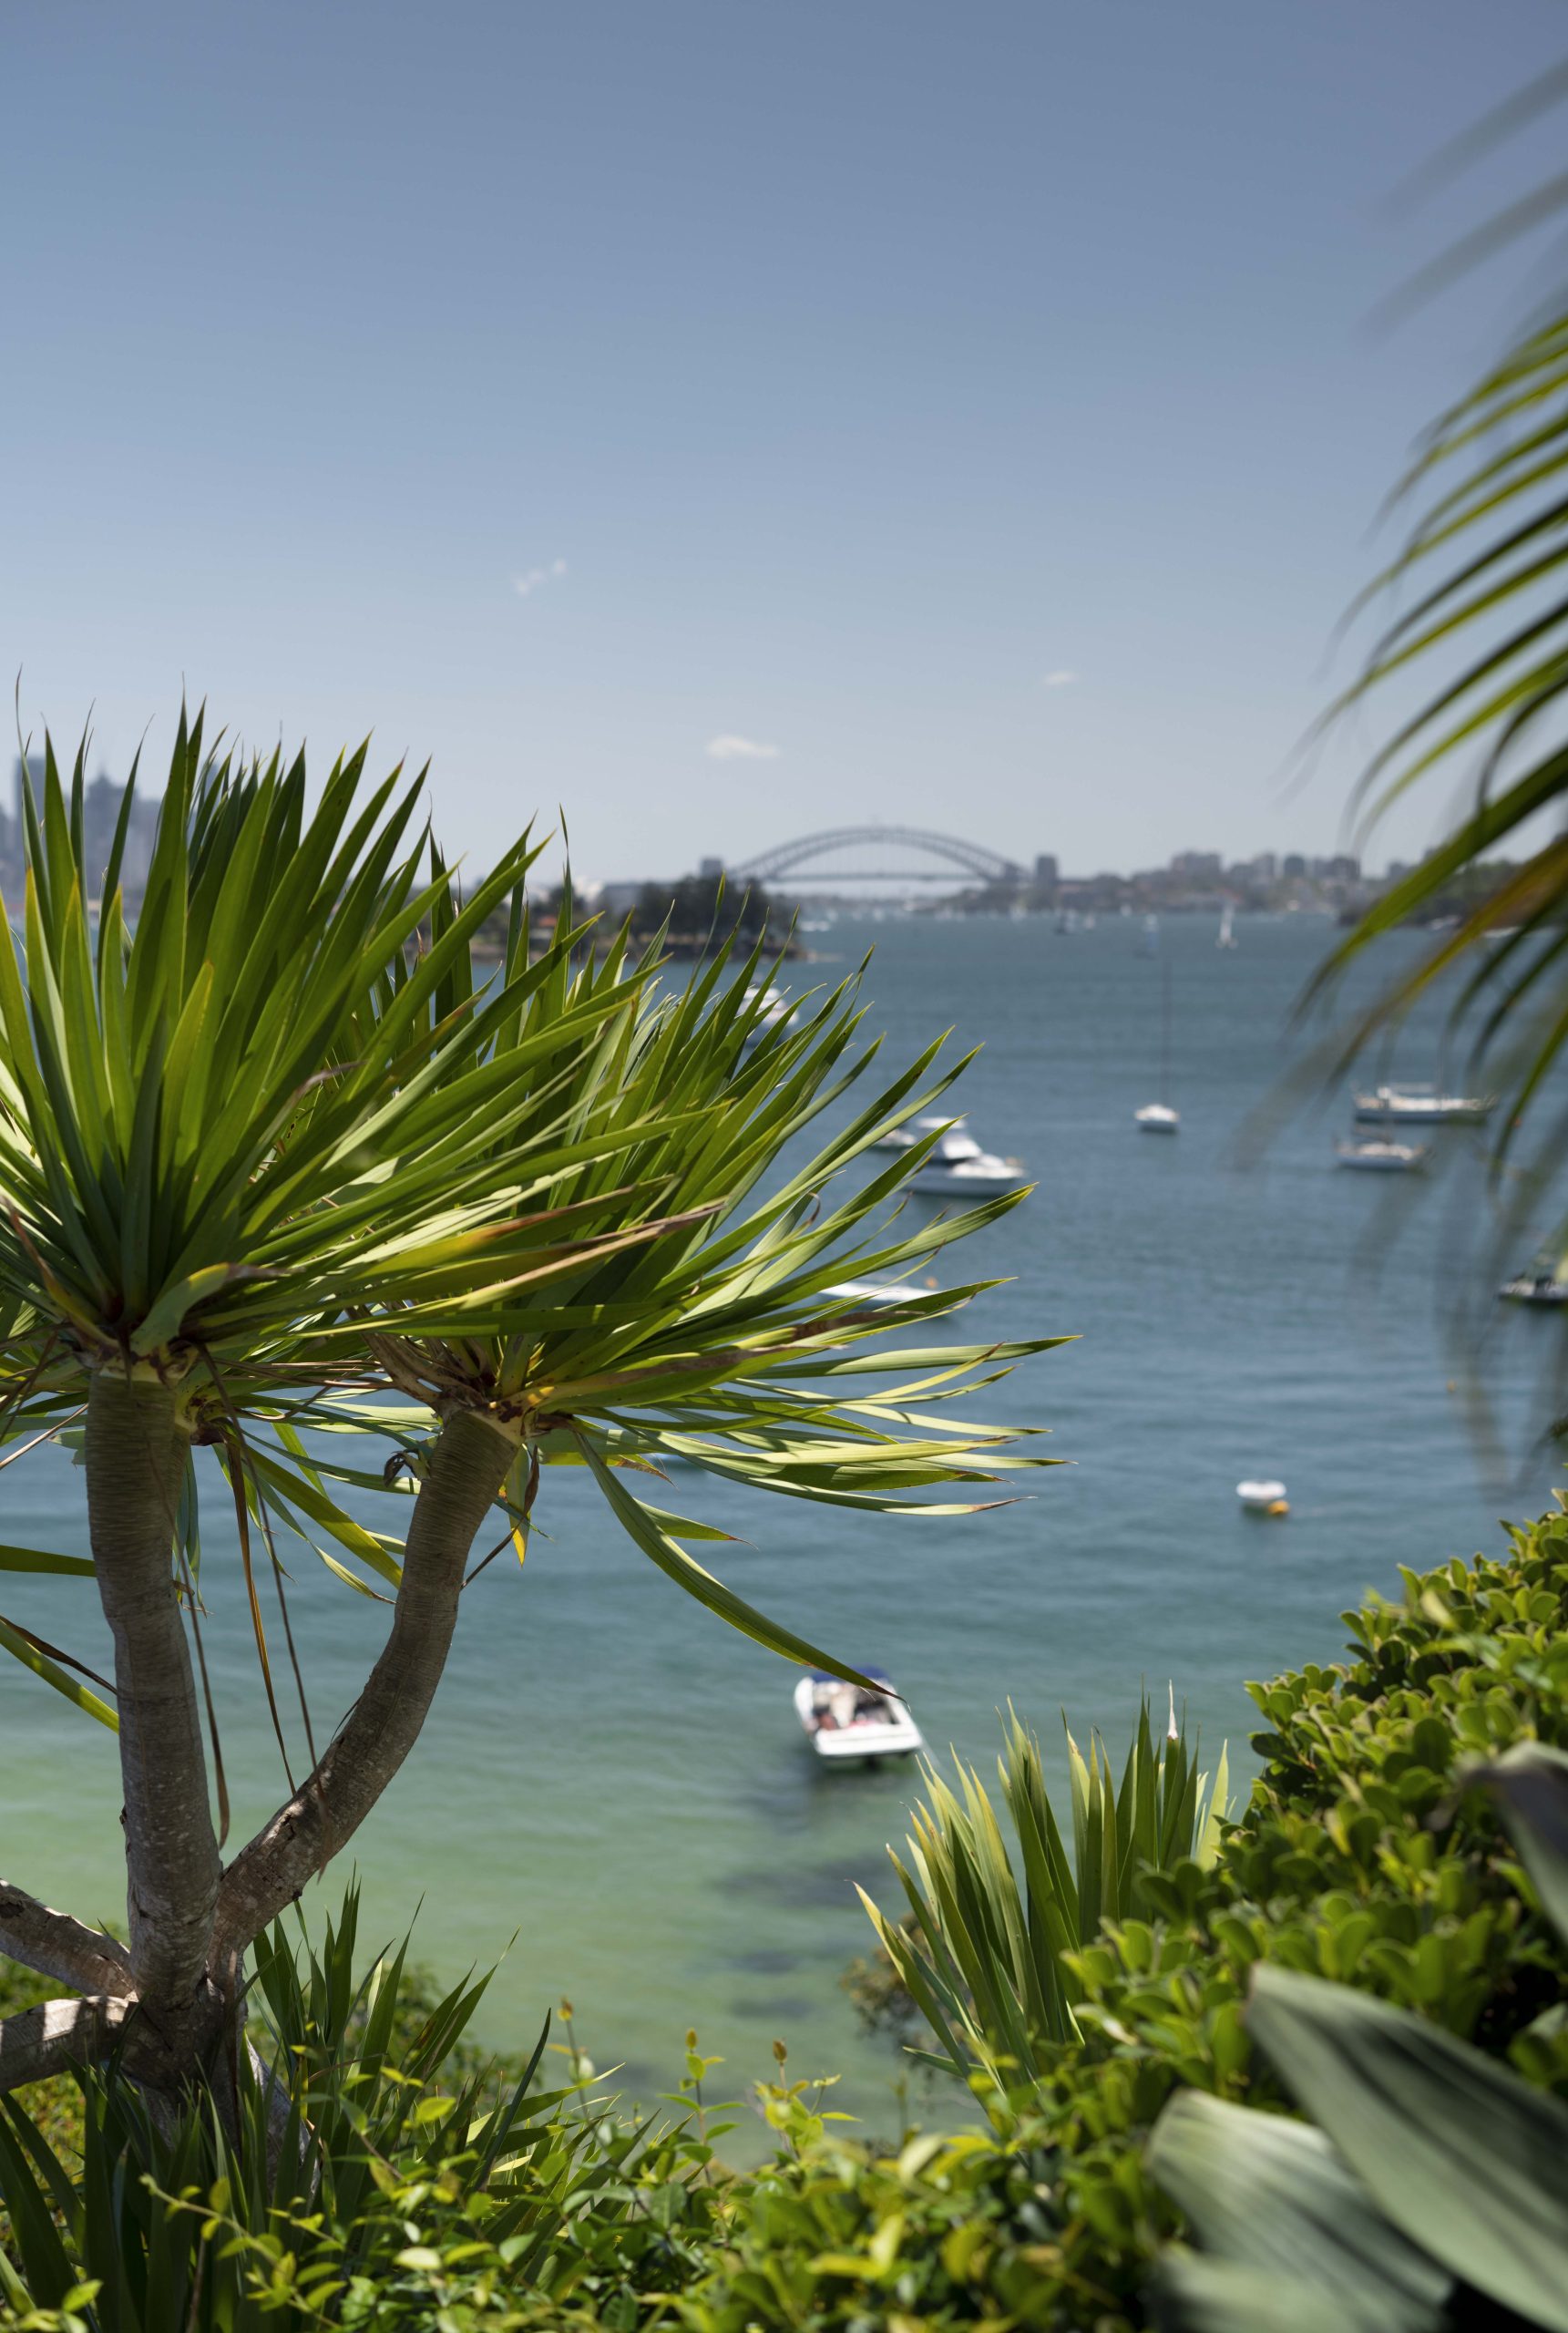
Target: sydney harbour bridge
pixel 875 855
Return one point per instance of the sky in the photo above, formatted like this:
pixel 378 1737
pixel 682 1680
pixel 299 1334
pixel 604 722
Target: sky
pixel 714 422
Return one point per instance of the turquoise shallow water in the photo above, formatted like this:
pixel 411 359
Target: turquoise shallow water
pixel 618 1784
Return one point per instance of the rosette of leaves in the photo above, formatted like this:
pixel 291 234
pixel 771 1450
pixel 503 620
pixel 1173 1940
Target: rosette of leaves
pixel 282 1156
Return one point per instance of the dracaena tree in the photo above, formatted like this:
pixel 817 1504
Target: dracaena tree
pixel 281 1158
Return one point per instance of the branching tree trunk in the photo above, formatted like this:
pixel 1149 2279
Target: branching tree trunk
pixel 172 2003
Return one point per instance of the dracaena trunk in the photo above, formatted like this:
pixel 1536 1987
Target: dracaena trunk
pixel 135 1463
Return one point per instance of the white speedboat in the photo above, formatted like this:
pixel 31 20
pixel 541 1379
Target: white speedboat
pixel 957 1163
pixel 1158 1118
pixel 869 1291
pixel 1264 1496
pixel 905 1136
pixel 773 1006
pixel 1379 1156
pixel 1420 1105
pixel 846 1724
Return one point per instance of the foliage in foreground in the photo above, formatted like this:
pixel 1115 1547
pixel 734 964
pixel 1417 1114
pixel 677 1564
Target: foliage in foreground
pixel 1361 1861
pixel 1477 597
pixel 988 1957
pixel 1429 2189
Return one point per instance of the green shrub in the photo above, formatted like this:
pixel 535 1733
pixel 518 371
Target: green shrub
pixel 1361 1857
pixel 1357 1859
pixel 1429 2190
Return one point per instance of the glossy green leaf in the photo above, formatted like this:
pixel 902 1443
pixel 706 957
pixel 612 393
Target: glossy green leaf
pixel 1467 2162
pixel 1272 2197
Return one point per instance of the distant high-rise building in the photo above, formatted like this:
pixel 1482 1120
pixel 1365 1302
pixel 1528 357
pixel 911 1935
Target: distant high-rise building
pixel 1203 865
pixel 100 817
pixel 1047 875
pixel 1293 866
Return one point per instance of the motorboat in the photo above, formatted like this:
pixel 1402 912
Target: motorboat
pixel 1264 1496
pixel 774 1007
pixel 869 1291
pixel 1541 1286
pixel 1158 1118
pixel 958 1163
pixel 1380 1156
pixel 1420 1105
pixel 916 1130
pixel 847 1725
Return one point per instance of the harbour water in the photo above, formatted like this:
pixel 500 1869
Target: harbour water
pixel 614 1794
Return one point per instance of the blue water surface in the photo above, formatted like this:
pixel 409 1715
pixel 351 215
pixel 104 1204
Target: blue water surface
pixel 613 1793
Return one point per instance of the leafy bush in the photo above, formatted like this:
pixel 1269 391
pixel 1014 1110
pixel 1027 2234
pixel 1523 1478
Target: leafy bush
pixel 360 2188
pixel 1433 2192
pixel 1361 1859
pixel 1357 1859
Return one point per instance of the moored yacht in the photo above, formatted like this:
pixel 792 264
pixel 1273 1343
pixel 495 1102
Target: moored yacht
pixel 904 1138
pixel 1420 1105
pixel 958 1163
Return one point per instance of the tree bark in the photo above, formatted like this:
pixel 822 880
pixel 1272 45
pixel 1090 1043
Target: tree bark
pixel 135 1459
pixel 467 1466
pixel 56 1945
pixel 55 2035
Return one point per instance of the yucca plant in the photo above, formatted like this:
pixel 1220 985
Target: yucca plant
pixel 280 1151
pixel 1430 2188
pixel 986 1951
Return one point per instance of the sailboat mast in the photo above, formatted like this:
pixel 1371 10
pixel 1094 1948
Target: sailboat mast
pixel 1165 1031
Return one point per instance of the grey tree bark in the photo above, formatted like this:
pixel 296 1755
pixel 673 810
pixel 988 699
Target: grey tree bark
pixel 172 2003
pixel 54 2035
pixel 135 1461
pixel 56 1945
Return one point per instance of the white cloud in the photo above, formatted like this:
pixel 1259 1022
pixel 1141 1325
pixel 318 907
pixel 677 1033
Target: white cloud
pixel 739 749
pixel 525 584
pixel 1059 680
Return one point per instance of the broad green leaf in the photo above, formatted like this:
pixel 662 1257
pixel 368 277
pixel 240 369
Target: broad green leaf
pixel 1469 2162
pixel 1272 2197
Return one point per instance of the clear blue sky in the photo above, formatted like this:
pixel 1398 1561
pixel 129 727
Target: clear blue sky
pixel 555 390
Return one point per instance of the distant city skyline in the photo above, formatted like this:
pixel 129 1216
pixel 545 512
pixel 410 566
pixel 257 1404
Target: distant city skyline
pixel 721 424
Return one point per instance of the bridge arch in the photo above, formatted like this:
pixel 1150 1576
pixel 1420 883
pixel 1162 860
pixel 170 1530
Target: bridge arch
pixel 955 853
